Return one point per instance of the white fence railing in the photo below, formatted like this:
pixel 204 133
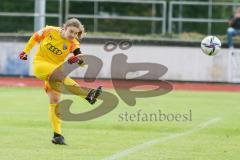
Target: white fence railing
pixel 38 14
pixel 209 20
pixel 96 15
pixel 167 19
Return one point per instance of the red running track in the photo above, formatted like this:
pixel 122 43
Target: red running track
pixel 33 82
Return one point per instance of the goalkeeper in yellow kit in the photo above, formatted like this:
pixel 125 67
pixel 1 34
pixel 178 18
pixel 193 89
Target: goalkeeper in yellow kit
pixel 55 44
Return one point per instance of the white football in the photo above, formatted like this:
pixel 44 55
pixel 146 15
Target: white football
pixel 211 45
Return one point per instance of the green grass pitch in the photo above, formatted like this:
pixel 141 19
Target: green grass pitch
pixel 25 131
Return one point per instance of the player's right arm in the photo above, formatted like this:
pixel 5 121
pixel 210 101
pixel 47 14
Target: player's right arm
pixel 36 37
pixel 77 54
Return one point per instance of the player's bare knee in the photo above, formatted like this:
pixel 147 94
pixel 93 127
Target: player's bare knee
pixel 54 97
pixel 54 100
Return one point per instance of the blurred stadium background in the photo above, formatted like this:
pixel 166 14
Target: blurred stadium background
pixel 165 32
pixel 172 27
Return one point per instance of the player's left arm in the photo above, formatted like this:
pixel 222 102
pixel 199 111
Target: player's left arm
pixel 77 54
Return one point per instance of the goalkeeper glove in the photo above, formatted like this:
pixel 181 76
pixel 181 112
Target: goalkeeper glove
pixel 23 56
pixel 75 59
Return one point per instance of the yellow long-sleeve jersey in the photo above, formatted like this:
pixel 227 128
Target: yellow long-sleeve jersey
pixel 52 48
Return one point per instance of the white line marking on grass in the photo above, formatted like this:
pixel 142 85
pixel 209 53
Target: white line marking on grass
pixel 159 141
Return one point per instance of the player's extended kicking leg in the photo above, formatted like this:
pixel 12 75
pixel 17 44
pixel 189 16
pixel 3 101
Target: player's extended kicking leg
pixel 74 88
pixel 64 84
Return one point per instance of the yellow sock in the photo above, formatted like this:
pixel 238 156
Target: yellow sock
pixel 55 121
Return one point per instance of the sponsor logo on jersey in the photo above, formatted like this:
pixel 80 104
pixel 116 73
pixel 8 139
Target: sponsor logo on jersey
pixel 53 49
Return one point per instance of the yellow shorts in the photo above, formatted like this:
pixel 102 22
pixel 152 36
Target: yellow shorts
pixel 43 69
